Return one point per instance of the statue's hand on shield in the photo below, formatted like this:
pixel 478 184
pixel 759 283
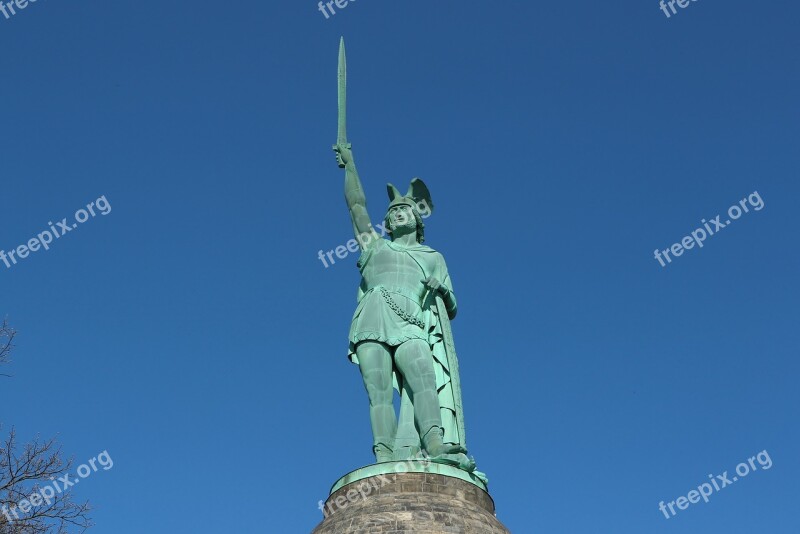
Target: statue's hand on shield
pixel 344 155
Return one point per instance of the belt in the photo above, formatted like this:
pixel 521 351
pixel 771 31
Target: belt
pixel 384 290
pixel 410 295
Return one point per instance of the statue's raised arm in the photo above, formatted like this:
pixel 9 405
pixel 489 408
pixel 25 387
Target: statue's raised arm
pixel 353 191
pixel 354 195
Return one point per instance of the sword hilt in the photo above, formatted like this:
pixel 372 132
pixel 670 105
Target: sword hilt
pixel 337 148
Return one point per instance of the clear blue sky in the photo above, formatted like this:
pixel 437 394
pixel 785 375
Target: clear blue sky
pixel 194 334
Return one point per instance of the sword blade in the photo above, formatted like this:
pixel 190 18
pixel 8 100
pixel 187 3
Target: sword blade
pixel 342 137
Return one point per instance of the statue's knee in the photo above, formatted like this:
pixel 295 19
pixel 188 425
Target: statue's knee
pixel 379 390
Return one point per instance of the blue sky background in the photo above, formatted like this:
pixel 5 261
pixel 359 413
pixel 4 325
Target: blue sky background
pixel 195 335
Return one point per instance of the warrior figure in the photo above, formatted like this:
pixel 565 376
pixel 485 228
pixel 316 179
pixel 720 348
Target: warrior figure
pixel 396 327
pixel 400 336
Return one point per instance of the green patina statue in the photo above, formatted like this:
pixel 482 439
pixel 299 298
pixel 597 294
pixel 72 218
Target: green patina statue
pixel 400 335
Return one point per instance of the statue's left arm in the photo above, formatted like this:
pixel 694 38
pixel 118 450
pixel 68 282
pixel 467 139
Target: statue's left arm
pixel 444 287
pixel 449 298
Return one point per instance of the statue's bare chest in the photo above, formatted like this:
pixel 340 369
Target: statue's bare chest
pixel 398 268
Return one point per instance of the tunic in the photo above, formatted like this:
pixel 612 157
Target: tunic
pixel 386 268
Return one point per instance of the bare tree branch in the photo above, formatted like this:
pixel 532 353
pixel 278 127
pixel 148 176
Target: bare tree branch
pixel 6 343
pixel 33 498
pixel 22 476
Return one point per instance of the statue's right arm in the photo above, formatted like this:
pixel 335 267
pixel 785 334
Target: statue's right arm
pixel 355 197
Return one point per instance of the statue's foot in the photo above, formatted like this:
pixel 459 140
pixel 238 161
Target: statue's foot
pixel 382 453
pixel 460 460
pixel 435 446
pixel 440 449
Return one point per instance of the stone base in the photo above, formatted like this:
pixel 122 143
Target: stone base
pixel 396 503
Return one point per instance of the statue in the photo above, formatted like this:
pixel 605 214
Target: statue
pixel 400 335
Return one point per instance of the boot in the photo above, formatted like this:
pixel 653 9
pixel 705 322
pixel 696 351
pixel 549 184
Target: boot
pixel 434 446
pixel 383 453
pixel 452 454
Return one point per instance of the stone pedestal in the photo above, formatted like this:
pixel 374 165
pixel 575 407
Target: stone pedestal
pixel 436 499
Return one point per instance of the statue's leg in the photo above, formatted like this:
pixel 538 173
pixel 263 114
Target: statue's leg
pixel 375 363
pixel 406 443
pixel 415 362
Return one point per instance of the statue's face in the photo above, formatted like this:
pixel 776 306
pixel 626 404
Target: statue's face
pixel 401 216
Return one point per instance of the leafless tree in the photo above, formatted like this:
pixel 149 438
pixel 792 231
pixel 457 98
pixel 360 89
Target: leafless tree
pixel 23 477
pixel 34 494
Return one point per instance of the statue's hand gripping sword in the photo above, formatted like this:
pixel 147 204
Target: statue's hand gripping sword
pixel 341 140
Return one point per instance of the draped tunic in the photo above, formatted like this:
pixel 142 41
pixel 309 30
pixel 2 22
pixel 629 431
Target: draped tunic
pixel 390 309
